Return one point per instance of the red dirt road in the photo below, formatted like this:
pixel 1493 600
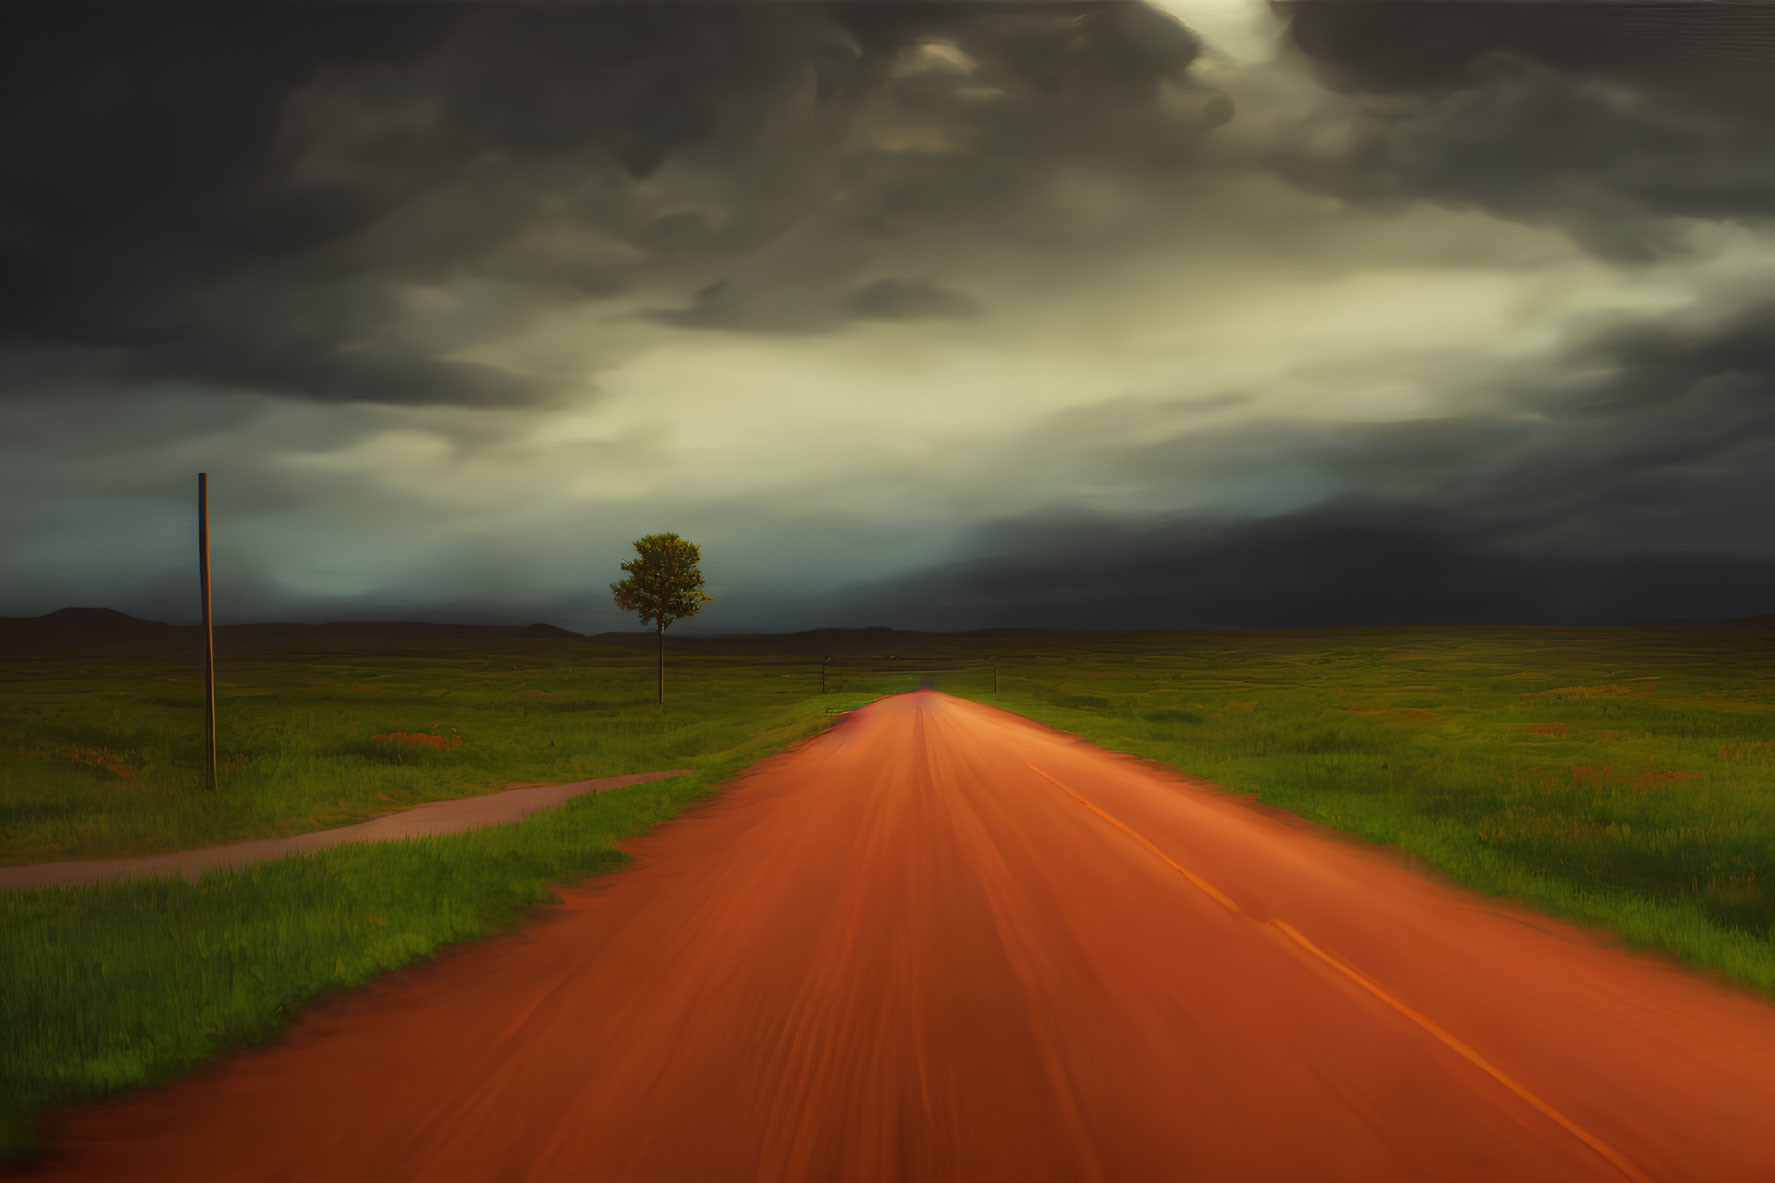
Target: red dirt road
pixel 942 942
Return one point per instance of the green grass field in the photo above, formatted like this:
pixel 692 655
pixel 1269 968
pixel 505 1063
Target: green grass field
pixel 1625 778
pixel 101 759
pixel 118 985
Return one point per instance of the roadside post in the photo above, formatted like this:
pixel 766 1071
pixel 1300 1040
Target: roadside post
pixel 209 635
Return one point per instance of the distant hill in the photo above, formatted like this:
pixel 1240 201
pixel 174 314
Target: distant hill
pixel 73 629
pixel 103 630
pixel 812 644
pixel 546 630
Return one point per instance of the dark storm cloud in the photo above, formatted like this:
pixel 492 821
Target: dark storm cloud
pixel 1672 364
pixel 1709 50
pixel 238 197
pixel 1601 118
pixel 329 374
pixel 719 306
pixel 1633 491
pixel 142 159
pixel 149 229
pixel 1347 564
pixel 909 299
pixel 284 227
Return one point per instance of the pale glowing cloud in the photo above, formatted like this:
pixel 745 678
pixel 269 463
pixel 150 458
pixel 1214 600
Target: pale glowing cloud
pixel 854 293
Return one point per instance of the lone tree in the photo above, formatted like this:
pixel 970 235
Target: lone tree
pixel 663 585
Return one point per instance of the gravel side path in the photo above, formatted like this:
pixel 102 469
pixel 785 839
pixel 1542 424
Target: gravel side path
pixel 434 817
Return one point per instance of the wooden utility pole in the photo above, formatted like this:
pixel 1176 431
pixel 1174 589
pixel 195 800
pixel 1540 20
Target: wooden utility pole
pixel 995 679
pixel 822 675
pixel 209 635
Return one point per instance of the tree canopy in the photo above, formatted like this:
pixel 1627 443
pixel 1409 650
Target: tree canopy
pixel 663 583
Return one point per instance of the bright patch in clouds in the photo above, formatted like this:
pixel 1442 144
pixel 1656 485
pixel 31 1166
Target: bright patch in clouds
pixel 855 294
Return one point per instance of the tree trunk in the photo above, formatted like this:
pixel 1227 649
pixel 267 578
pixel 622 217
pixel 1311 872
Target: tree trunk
pixel 660 627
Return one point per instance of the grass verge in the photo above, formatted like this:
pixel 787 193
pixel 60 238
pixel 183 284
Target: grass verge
pixel 1623 778
pixel 116 986
pixel 100 757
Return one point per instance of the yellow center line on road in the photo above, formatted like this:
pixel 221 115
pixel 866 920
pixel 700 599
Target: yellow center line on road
pixel 1609 1154
pixel 1212 892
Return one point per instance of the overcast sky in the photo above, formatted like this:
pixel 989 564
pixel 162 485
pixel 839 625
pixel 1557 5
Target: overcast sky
pixel 935 315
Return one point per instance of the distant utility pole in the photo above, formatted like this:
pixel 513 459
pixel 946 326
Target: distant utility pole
pixel 995 679
pixel 209 635
pixel 822 675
